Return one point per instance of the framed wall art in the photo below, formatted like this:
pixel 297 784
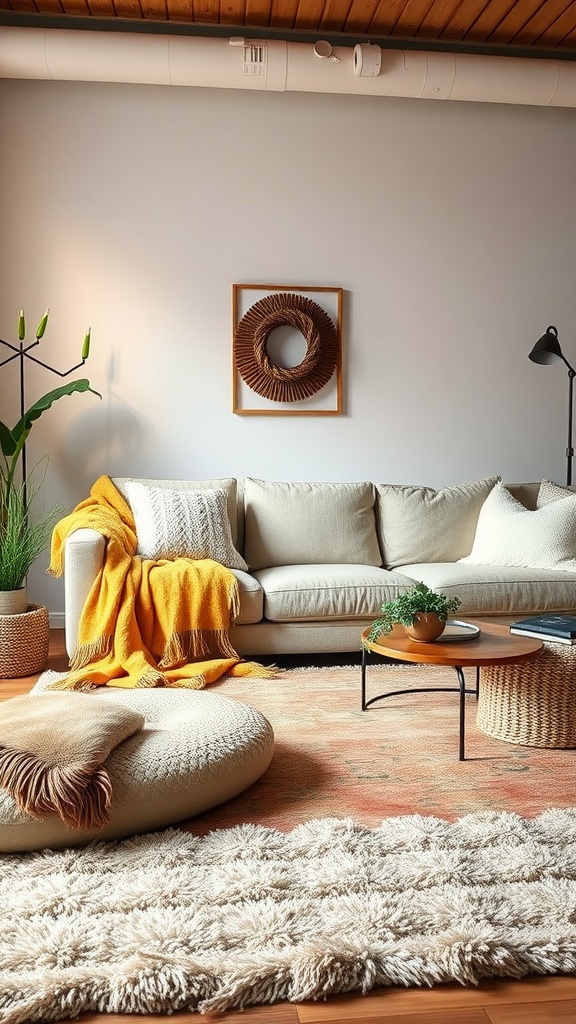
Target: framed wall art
pixel 287 350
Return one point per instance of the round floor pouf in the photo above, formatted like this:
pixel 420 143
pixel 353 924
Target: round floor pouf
pixel 196 750
pixel 532 703
pixel 24 640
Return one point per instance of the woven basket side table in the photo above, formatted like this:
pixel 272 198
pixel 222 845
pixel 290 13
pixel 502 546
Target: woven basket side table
pixel 533 704
pixel 24 641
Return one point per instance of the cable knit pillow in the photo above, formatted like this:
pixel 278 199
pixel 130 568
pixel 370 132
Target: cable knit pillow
pixel 182 524
pixel 509 534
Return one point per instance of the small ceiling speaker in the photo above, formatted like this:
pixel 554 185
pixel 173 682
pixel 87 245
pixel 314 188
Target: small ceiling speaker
pixel 367 60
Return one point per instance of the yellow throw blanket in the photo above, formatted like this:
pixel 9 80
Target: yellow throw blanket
pixel 148 623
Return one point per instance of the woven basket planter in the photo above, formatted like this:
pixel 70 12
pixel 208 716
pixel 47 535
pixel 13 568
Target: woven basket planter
pixel 24 642
pixel 532 703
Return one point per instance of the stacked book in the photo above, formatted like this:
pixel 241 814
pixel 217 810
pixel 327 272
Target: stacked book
pixel 558 628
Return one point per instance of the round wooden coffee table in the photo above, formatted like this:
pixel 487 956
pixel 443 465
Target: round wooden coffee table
pixel 494 646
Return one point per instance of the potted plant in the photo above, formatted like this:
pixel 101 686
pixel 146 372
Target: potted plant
pixel 25 533
pixel 422 612
pixel 23 537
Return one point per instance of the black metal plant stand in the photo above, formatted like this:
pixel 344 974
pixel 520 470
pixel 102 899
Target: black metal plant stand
pixel 22 352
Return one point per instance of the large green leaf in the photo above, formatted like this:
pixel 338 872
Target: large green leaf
pixel 7 440
pixel 24 425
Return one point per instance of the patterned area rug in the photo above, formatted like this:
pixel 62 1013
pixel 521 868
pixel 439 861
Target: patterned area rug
pixel 248 915
pixel 399 757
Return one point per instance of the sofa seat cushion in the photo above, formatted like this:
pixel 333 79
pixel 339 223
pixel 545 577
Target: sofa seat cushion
pixel 312 592
pixel 196 749
pixel 251 599
pixel 297 523
pixel 498 589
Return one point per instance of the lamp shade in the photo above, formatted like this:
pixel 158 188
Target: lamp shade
pixel 547 348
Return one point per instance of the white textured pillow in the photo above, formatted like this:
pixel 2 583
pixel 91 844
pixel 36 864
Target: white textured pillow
pixel 182 524
pixel 552 492
pixel 509 534
pixel 419 524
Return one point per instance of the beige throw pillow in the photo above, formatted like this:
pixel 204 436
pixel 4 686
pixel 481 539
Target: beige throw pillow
pixel 307 523
pixel 182 524
pixel 419 524
pixel 509 534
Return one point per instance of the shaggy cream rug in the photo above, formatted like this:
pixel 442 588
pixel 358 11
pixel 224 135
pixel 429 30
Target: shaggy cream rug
pixel 248 915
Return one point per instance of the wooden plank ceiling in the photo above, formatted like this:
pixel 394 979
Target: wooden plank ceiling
pixel 524 27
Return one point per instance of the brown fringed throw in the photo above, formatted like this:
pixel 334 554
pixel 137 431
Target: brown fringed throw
pixel 52 752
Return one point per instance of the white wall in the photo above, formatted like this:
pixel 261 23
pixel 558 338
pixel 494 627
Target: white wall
pixel 451 227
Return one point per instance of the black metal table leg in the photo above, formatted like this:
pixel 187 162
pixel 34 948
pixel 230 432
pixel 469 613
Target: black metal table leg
pixel 462 722
pixel 364 660
pixel 461 689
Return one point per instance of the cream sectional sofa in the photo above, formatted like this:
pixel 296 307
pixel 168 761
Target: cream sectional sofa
pixel 319 559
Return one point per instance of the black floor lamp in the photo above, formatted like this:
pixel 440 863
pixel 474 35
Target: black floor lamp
pixel 547 350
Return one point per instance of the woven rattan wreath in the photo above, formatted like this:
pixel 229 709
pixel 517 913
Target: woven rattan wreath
pixel 286 384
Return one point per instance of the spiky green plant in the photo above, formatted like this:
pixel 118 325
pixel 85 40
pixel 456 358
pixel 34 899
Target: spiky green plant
pixel 23 536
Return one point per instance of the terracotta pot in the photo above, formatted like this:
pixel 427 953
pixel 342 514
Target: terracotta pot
pixel 426 626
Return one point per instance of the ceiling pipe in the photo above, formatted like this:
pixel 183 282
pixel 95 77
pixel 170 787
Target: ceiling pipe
pixel 280 66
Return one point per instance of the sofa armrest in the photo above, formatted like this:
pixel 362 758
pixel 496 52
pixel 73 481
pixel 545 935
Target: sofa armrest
pixel 83 559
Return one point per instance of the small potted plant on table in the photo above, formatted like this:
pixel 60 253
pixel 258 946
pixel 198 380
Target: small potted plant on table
pixel 421 611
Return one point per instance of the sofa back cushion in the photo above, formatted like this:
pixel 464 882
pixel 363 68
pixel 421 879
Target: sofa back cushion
pixel 308 523
pixel 526 493
pixel 227 484
pixel 419 524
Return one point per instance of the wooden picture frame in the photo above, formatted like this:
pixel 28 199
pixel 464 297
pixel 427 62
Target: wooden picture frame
pixel 322 302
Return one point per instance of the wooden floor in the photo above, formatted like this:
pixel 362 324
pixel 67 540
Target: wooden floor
pixel 547 1000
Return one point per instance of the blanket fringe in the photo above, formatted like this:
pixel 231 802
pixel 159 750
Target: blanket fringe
pixel 39 791
pixel 196 645
pixel 254 668
pixel 152 678
pixel 85 654
pixel 81 685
